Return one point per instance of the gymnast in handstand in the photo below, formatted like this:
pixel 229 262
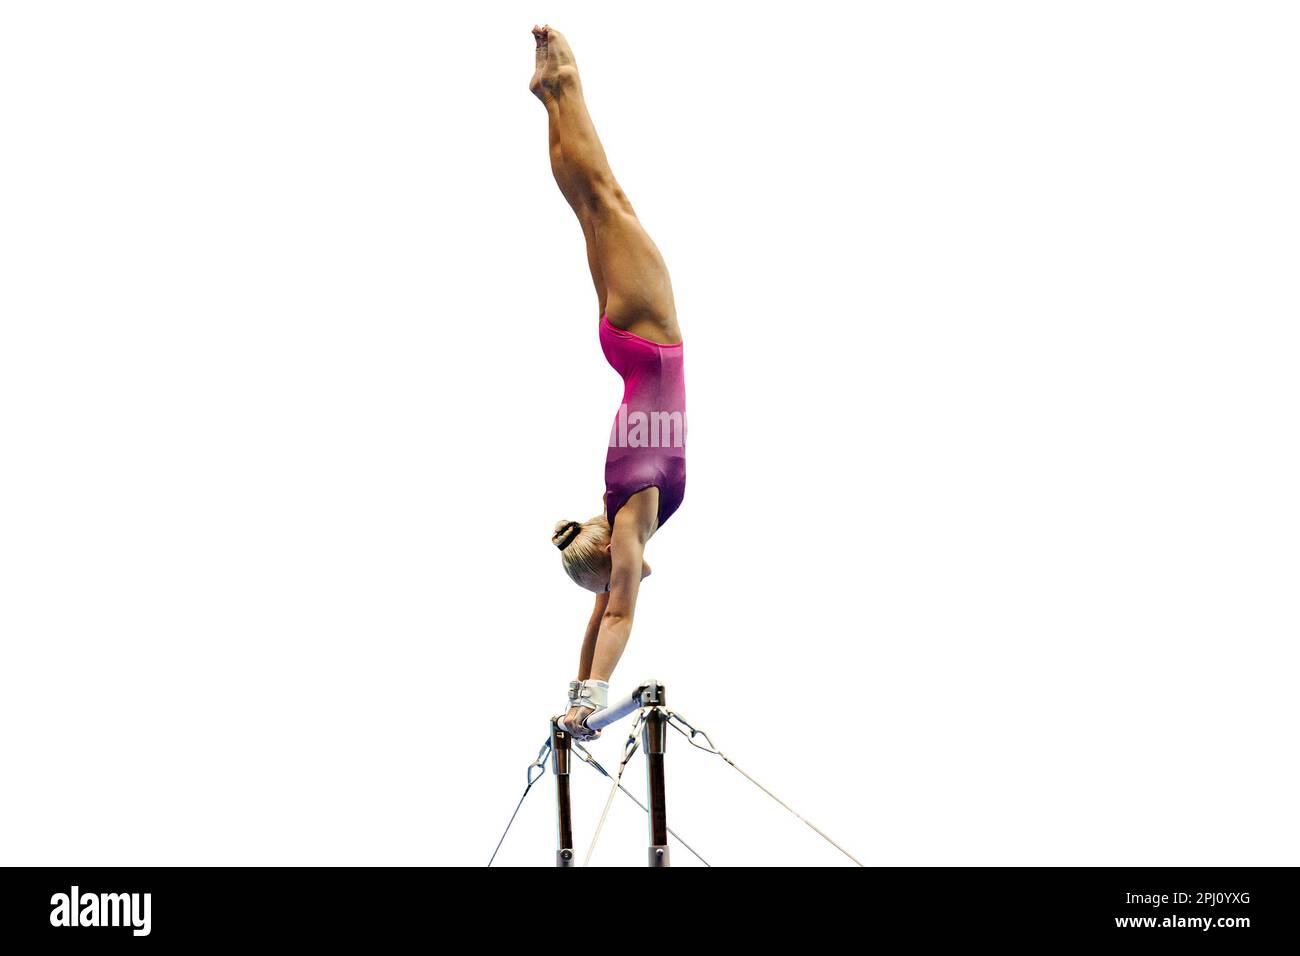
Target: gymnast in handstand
pixel 645 468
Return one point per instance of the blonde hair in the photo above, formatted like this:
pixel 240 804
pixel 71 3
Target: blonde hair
pixel 582 546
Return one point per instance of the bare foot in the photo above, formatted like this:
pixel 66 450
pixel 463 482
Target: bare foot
pixel 554 64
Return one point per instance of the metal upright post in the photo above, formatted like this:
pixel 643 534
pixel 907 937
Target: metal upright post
pixel 560 752
pixel 653 739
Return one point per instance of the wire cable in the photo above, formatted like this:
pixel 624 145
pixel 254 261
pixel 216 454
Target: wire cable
pixel 690 733
pixel 539 765
pixel 585 756
pixel 629 748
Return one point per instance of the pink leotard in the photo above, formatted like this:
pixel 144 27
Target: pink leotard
pixel 647 445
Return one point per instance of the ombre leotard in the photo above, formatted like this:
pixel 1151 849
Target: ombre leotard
pixel 647 445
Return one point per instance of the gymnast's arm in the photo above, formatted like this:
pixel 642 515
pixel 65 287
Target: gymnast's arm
pixel 627 554
pixel 589 639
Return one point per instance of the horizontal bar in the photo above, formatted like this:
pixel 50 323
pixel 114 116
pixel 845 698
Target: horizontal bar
pixel 615 711
pixel 647 694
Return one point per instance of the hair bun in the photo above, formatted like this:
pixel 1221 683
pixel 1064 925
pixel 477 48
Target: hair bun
pixel 565 533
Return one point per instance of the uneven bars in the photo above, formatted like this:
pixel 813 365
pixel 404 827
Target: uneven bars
pixel 648 694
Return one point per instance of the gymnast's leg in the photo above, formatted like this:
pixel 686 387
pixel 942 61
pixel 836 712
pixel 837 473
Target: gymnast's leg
pixel 632 284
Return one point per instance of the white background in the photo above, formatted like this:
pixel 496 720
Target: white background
pixel 989 551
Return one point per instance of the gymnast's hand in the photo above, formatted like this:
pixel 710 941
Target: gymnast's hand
pixel 574 718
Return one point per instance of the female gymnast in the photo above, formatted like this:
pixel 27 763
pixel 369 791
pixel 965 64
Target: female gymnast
pixel 645 468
